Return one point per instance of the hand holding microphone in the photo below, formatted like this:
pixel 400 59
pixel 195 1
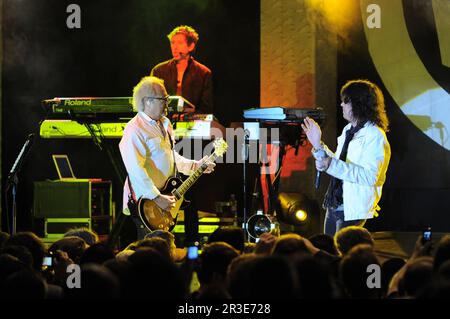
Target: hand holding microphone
pixel 322 163
pixel 322 160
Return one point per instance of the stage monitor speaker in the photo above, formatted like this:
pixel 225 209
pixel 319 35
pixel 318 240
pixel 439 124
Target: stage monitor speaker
pixel 73 200
pixel 61 199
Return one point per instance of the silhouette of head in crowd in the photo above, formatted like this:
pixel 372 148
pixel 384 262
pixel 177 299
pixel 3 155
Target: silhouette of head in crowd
pixel 97 254
pixel 34 245
pixel 74 247
pixel 417 277
pixel 232 235
pixel 88 235
pixel 324 242
pixel 214 261
pixel 97 282
pixel 156 243
pixel 289 244
pixel 442 252
pixel 261 276
pixel 388 270
pixel 314 278
pixel 153 276
pixel 354 275
pixel 349 237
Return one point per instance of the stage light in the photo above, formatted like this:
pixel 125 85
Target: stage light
pixel 301 215
pixel 296 208
pixel 258 224
pixel 331 11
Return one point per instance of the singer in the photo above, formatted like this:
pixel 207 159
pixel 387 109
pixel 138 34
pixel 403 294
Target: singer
pixel 183 75
pixel 358 168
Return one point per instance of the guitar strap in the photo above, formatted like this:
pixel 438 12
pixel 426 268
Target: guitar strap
pixel 131 195
pixel 132 201
pixel 176 173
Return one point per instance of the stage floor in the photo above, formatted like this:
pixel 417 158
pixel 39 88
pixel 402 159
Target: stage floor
pixel 398 244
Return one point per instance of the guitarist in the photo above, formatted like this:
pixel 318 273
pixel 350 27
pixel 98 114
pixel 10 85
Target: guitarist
pixel 147 151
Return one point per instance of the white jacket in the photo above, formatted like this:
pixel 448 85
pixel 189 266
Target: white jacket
pixel 364 172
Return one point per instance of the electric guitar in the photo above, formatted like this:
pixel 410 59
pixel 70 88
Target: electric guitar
pixel 154 217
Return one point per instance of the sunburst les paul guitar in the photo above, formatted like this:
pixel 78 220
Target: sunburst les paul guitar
pixel 153 217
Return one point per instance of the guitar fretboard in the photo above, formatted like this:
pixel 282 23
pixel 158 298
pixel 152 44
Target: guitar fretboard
pixel 184 187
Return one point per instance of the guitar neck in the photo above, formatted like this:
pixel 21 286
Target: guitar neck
pixel 184 187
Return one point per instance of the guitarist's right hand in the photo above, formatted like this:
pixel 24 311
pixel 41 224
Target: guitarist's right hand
pixel 165 202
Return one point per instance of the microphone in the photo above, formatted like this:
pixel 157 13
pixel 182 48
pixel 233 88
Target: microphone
pixel 319 154
pixel 180 105
pixel 317 180
pixel 244 152
pixel 183 55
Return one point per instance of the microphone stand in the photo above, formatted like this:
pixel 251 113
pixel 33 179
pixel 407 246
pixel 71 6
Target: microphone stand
pixel 175 113
pixel 13 180
pixel 244 154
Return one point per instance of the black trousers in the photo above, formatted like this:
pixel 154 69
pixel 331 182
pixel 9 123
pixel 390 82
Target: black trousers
pixel 191 218
pixel 141 230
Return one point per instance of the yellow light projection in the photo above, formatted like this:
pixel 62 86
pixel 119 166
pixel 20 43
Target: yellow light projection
pixel 335 12
pixel 418 95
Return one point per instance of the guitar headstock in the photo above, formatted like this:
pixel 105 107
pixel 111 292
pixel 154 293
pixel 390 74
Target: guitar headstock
pixel 220 146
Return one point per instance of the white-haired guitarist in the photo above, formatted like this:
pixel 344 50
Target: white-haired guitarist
pixel 147 148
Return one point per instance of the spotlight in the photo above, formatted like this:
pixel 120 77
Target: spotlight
pixel 296 208
pixel 301 215
pixel 258 224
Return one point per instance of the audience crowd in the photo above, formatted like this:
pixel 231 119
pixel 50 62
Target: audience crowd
pixel 287 266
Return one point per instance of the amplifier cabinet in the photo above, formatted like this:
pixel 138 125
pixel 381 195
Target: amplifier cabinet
pixel 80 202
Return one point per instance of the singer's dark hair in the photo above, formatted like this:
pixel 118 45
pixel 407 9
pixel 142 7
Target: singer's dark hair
pixel 367 102
pixel 189 32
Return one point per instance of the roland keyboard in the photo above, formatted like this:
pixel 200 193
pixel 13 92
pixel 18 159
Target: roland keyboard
pixel 103 109
pixel 90 109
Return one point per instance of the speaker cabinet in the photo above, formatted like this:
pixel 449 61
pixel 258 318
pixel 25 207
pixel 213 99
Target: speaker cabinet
pixel 61 205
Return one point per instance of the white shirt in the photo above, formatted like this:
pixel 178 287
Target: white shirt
pixel 148 156
pixel 364 172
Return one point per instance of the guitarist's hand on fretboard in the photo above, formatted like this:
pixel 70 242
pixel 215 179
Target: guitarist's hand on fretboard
pixel 210 164
pixel 165 202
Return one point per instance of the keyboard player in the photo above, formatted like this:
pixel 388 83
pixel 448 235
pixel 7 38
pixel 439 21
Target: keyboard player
pixel 183 75
pixel 186 77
